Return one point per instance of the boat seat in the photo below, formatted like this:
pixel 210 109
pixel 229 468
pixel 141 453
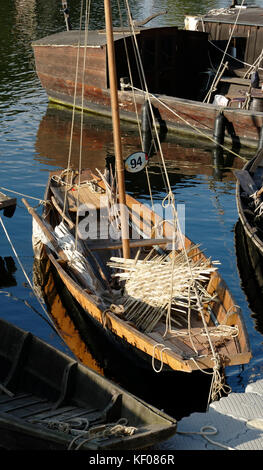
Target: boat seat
pixel 75 198
pixel 236 80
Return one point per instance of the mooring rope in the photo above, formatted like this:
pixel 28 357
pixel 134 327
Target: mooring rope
pixel 41 201
pixel 82 429
pixel 205 432
pixel 199 131
pixel 161 356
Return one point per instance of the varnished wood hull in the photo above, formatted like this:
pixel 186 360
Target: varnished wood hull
pixel 43 385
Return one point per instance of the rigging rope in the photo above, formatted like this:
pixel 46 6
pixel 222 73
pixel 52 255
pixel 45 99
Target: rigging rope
pixel 87 13
pixel 23 270
pixel 207 98
pixel 171 202
pixel 74 101
pixel 151 95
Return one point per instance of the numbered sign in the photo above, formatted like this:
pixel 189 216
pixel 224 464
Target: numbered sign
pixel 136 162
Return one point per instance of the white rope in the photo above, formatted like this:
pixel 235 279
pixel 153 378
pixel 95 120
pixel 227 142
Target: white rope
pixel 199 131
pixel 74 101
pixel 24 195
pixel 161 356
pixel 223 58
pixel 205 432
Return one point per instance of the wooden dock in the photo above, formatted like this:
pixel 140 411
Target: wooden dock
pixel 234 422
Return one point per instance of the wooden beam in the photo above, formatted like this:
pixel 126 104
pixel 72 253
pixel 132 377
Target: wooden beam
pixel 111 245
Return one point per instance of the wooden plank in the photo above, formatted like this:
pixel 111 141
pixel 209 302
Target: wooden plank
pixel 174 343
pixel 67 412
pixel 12 406
pixel 53 413
pixel 236 80
pixel 32 410
pixel 6 399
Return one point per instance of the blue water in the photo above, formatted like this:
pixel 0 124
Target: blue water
pixel 34 140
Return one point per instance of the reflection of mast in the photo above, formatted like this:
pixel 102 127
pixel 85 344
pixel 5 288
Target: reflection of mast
pixel 26 17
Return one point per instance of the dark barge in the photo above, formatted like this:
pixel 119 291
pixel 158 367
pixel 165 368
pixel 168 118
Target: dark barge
pixel 177 67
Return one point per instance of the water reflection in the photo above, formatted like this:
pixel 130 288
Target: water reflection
pixel 7 270
pixel 187 156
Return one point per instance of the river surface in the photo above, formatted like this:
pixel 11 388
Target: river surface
pixel 34 140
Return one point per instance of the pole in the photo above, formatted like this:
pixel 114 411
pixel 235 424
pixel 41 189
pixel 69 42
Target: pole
pixel 66 14
pixel 116 130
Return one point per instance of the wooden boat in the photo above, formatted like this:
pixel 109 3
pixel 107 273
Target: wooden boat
pixel 249 199
pixel 246 41
pixel 159 299
pixel 7 204
pixel 186 92
pixel 48 401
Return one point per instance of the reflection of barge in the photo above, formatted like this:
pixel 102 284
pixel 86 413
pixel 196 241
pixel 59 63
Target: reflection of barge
pixel 185 156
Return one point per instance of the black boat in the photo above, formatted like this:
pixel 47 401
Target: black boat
pixel 249 191
pixel 49 401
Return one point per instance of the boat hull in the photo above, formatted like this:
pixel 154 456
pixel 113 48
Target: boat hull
pixel 173 95
pixel 186 117
pixel 44 385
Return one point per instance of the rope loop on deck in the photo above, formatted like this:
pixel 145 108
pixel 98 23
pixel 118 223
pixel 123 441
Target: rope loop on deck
pixel 104 431
pixel 205 432
pixel 161 354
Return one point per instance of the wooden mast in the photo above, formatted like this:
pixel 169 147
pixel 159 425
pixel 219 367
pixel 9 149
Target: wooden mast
pixel 116 130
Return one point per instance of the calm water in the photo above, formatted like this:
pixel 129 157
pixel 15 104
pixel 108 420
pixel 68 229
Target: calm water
pixel 34 139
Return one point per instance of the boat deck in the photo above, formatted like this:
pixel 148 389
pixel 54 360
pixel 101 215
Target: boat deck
pixel 40 410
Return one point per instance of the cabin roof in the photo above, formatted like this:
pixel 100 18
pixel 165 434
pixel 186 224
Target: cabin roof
pixel 70 38
pixel 95 38
pixel 251 16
